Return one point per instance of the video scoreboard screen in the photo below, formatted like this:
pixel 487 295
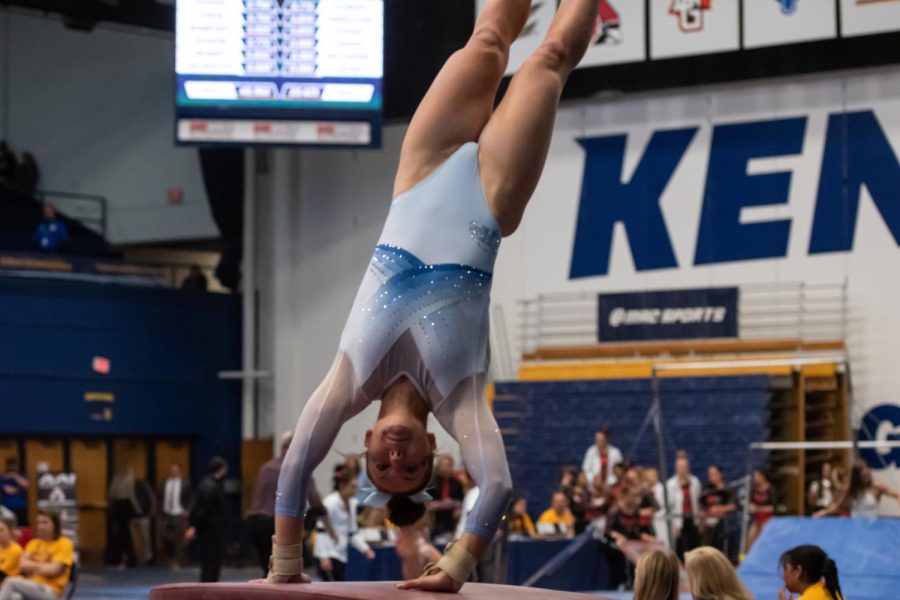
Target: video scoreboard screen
pixel 305 72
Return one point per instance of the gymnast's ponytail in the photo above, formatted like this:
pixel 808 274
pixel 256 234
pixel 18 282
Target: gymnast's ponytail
pixel 402 512
pixel 815 565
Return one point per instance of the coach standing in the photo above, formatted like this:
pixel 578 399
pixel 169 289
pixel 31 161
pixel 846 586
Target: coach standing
pixel 208 521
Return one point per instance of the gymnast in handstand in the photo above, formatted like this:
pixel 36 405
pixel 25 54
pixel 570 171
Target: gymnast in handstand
pixel 417 335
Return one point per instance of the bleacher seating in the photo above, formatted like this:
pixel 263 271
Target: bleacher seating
pixel 547 425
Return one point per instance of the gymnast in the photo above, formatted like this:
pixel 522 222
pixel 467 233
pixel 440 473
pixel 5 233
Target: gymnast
pixel 417 336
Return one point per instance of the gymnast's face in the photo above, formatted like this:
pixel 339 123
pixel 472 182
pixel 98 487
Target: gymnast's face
pixel 399 451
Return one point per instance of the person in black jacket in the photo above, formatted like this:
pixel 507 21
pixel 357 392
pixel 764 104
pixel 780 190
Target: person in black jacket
pixel 208 521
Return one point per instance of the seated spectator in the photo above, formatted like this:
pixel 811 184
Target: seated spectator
pixel 821 491
pixel 520 523
pixel 51 233
pixel 10 551
pixel 373 525
pixel 601 457
pixel 808 571
pixel 46 563
pixel 683 490
pixel 713 577
pixel 195 281
pixel 558 519
pixel 762 504
pixel 716 503
pixel 27 176
pixel 657 576
pixel 14 491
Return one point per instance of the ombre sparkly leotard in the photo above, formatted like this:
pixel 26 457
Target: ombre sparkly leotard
pixel 421 312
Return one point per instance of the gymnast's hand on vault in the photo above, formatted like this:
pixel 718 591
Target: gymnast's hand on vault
pixel 440 582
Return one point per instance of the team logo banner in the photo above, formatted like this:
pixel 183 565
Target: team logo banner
pixel 668 315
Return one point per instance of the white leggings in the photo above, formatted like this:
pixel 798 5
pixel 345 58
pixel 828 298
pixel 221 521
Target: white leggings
pixel 19 588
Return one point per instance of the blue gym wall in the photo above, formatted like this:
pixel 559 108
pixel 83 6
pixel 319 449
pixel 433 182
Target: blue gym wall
pixel 548 425
pixel 165 347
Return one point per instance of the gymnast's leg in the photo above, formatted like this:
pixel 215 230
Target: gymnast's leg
pixel 460 101
pixel 513 146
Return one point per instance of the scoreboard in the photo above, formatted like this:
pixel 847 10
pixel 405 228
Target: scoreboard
pixel 306 72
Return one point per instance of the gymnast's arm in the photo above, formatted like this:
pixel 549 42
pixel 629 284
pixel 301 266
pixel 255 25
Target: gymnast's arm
pixel 466 416
pixel 331 405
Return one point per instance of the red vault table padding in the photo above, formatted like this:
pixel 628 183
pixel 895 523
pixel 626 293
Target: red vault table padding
pixel 379 590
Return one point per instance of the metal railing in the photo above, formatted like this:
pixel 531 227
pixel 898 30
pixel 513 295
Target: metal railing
pixel 89 209
pixel 811 312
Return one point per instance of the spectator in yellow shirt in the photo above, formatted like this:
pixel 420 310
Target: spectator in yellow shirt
pixel 520 524
pixel 46 563
pixel 556 520
pixel 10 551
pixel 808 571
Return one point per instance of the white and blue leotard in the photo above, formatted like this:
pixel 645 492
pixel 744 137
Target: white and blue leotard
pixel 422 311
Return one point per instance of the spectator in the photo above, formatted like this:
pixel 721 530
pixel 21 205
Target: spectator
pixel 14 490
pixel 716 502
pixel 27 176
pixel 657 576
pixel 683 490
pixel 520 523
pixel 619 472
pixel 341 506
pixel 655 487
pixel 208 521
pixel 625 522
pixel 10 551
pixel 468 503
pixel 51 233
pixel 123 506
pixel 861 495
pixel 567 478
pixel 195 281
pixel 808 571
pixel 175 497
pixel 821 491
pixel 601 457
pixel 142 521
pixel 601 501
pixel 558 519
pixel 579 503
pixel 46 563
pixel 762 505
pixel 261 515
pixel 712 576
pixel 8 165
pixel 448 493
